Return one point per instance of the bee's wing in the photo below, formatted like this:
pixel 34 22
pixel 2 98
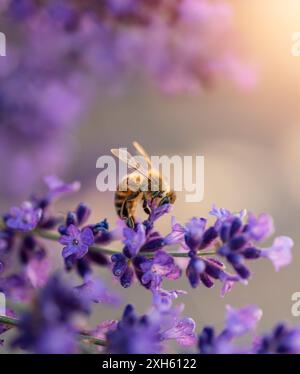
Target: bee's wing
pixel 140 149
pixel 129 160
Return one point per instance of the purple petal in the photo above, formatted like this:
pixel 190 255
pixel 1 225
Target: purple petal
pixel 183 332
pixel 177 234
pixel 163 258
pixel 97 291
pixel 158 212
pixel 37 271
pixel 87 236
pixel 134 239
pixel 58 187
pixel 66 239
pixel 81 250
pixel 241 321
pixel 280 252
pixel 146 265
pixel 147 277
pixel 68 251
pixel 73 231
pixel 260 228
pixel 163 299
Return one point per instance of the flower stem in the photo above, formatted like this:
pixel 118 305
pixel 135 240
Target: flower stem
pixel 13 322
pixel 9 321
pixel 50 235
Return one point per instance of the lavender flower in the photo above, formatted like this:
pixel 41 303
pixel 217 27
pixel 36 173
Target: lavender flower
pixel 49 327
pixel 241 321
pixel 95 290
pixel 25 218
pixel 238 241
pixel 162 300
pixel 147 334
pixel 175 327
pixel 58 188
pixel 17 287
pixel 76 218
pixel 238 323
pixel 50 324
pixel 193 236
pixel 206 271
pixel 280 252
pixel 131 261
pixel 133 335
pixel 183 332
pixel 122 269
pixel 37 270
pixel 282 340
pixel 134 239
pixel 76 242
pixel 160 266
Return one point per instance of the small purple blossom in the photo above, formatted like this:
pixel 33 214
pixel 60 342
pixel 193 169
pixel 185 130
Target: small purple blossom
pixel 37 270
pixel 241 321
pixel 173 326
pixel 206 271
pixel 162 300
pixel 183 332
pixel 282 339
pixel 96 291
pixel 76 242
pixel 134 239
pixel 280 252
pixel 261 227
pixel 160 266
pixel 134 335
pixel 24 218
pixel 159 211
pixel 193 236
pixel 17 287
pixel 52 317
pixel 76 218
pixel 58 188
pixel 222 213
pixel 146 334
pixel 177 234
pixel 240 241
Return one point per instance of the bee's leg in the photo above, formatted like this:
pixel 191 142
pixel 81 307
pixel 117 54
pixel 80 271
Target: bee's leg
pixel 146 206
pixel 164 200
pixel 156 194
pixel 125 208
pixel 126 211
pixel 131 222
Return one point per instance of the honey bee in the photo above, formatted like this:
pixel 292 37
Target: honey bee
pixel 140 186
